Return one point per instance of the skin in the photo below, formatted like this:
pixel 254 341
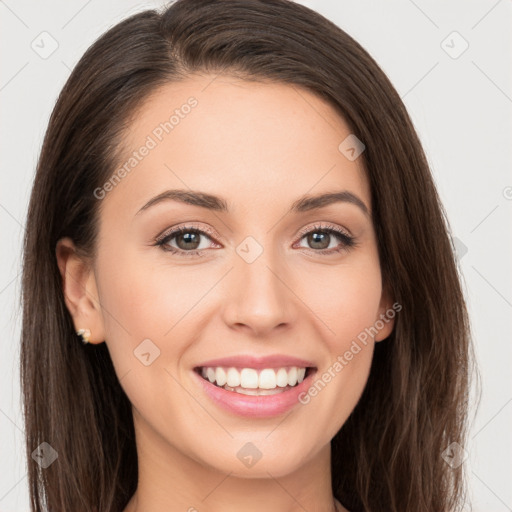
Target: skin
pixel 260 146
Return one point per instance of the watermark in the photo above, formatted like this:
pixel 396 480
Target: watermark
pixel 45 455
pixel 454 45
pixel 351 147
pixel 343 360
pixel 44 45
pixel 460 248
pixel 151 142
pixel 249 455
pixel 146 352
pixel 249 249
pixel 455 455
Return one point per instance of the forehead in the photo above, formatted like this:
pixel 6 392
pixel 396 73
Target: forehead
pixel 257 143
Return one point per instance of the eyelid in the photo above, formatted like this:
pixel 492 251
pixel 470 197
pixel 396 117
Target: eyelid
pixel 327 225
pixel 186 226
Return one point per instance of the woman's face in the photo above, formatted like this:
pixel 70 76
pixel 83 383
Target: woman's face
pixel 256 275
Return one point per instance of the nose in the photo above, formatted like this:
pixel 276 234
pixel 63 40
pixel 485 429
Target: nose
pixel 258 297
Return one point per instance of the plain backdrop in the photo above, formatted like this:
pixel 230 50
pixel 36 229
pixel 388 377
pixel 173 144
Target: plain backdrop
pixel 450 63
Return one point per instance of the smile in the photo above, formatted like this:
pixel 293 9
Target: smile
pixel 251 381
pixel 254 392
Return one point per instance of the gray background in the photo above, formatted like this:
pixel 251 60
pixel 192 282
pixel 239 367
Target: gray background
pixel 460 102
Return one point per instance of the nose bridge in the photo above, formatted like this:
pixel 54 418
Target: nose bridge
pixel 258 297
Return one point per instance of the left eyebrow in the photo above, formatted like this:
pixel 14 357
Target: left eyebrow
pixel 211 202
pixel 307 203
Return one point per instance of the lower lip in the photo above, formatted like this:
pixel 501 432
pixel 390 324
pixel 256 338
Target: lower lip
pixel 255 406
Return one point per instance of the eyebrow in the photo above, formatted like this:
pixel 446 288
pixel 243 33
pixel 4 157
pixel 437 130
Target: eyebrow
pixel 211 202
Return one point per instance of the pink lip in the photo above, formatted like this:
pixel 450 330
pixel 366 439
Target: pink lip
pixel 273 361
pixel 254 406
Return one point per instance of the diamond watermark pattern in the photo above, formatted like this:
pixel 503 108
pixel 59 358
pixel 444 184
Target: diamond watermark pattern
pixel 351 147
pixel 454 45
pixel 146 352
pixel 249 455
pixel 460 247
pixel 44 45
pixel 249 250
pixel 454 455
pixel 44 455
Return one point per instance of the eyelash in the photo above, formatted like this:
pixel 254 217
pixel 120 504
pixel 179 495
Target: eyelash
pixel 347 242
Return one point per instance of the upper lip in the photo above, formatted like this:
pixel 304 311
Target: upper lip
pixel 258 362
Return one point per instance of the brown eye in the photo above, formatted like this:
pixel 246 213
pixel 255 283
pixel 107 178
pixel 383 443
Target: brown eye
pixel 186 241
pixel 322 240
pixel 319 240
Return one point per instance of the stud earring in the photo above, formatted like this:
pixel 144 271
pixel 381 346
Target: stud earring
pixel 84 335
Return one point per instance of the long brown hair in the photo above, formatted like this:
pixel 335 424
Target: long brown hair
pixel 388 454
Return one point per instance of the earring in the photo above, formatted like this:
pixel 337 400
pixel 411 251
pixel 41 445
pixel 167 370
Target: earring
pixel 84 335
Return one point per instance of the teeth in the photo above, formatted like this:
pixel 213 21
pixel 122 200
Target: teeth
pixel 292 376
pixel 220 376
pixel 267 379
pixel 256 392
pixel 282 377
pixel 233 378
pixel 210 373
pixel 249 379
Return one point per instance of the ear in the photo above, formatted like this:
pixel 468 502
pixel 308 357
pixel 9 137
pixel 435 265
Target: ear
pixel 385 320
pixel 80 291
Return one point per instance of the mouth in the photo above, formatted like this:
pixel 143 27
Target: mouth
pixel 255 381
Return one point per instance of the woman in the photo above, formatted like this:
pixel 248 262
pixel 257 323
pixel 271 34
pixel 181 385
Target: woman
pixel 239 287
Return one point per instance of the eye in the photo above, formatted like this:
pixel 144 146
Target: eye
pixel 188 240
pixel 184 240
pixel 322 239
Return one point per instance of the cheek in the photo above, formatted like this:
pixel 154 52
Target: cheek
pixel 141 300
pixel 139 308
pixel 146 328
pixel 345 299
pixel 349 308
pixel 346 302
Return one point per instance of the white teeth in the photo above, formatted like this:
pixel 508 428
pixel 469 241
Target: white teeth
pixel 249 378
pixel 267 379
pixel 233 378
pixel 292 376
pixel 282 377
pixel 256 392
pixel 210 373
pixel 220 376
pixel 252 379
